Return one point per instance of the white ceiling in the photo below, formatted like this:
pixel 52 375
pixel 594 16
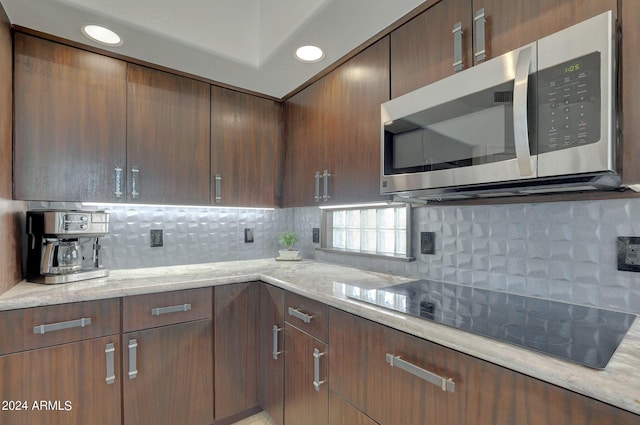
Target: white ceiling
pixel 244 43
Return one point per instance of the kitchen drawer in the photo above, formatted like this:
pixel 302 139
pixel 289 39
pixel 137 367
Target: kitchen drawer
pixel 307 315
pixel 165 308
pixel 37 327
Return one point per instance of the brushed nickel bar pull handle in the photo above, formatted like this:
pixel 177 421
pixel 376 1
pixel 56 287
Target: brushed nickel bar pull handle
pixel 316 369
pixel 135 174
pixel 276 353
pixel 300 315
pixel 520 126
pixel 457 47
pixel 446 384
pixel 218 188
pixel 326 176
pixel 109 352
pixel 480 34
pixel 317 195
pixel 133 359
pixel 172 309
pixel 118 182
pixel 78 323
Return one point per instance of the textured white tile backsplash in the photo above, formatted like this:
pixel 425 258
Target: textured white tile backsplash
pixel 563 250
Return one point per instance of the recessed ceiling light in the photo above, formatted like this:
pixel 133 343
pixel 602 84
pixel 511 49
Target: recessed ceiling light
pixel 309 54
pixel 102 35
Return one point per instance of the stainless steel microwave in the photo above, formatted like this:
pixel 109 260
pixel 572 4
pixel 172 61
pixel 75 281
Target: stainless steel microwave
pixel 540 118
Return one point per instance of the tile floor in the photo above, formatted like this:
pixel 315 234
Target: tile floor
pixel 258 419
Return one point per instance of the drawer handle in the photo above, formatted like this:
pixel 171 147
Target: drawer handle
pixel 300 315
pixel 133 358
pixel 172 309
pixel 316 369
pixel 446 384
pixel 276 353
pixel 78 323
pixel 109 352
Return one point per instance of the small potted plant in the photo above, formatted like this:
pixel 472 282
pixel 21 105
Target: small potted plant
pixel 288 240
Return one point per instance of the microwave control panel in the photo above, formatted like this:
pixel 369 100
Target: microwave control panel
pixel 569 104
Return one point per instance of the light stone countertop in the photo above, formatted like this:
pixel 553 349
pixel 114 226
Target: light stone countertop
pixel 618 384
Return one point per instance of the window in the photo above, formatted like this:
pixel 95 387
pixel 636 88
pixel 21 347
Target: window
pixel 380 230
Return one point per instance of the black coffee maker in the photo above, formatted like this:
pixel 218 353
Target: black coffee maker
pixel 64 245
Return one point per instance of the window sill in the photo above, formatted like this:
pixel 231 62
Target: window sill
pixel 367 254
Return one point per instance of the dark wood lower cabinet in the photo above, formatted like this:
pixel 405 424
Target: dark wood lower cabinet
pixel 343 413
pixel 485 394
pixel 499 396
pixel 172 379
pixel 235 316
pixel 62 385
pixel 271 355
pixel 304 402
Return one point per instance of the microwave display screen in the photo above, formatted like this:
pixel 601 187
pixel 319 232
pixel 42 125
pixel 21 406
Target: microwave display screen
pixel 569 109
pixel 476 129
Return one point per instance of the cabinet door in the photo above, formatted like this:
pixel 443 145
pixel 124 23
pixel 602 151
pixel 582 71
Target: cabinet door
pixel 499 396
pixel 391 395
pixel 246 149
pixel 343 413
pixel 352 122
pixel 271 352
pixel 422 49
pixel 305 403
pixel 69 122
pixel 512 24
pixel 629 89
pixel 235 315
pixel 63 385
pixel 304 145
pixel 167 138
pixel 171 381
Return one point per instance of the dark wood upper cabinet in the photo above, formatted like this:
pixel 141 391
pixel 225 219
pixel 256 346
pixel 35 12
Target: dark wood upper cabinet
pixel 167 138
pixel 334 125
pixel 629 15
pixel 246 149
pixel 355 91
pixel 304 144
pixel 512 24
pixel 422 49
pixel 69 123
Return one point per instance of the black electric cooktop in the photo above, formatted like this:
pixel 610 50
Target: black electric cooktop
pixel 584 335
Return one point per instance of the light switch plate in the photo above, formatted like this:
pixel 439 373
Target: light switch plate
pixel 156 238
pixel 428 243
pixel 628 248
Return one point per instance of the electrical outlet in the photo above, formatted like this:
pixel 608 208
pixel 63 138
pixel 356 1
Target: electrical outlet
pixel 628 248
pixel 316 235
pixel 248 235
pixel 156 238
pixel 428 243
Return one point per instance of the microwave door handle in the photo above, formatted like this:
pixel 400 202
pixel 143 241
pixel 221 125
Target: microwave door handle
pixel 520 127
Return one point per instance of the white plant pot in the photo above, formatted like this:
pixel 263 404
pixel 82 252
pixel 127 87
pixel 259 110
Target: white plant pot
pixel 288 255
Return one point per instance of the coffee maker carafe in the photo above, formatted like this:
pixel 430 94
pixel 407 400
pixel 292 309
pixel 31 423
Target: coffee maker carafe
pixel 64 245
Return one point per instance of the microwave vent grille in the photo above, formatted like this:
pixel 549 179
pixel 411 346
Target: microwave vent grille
pixel 503 97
